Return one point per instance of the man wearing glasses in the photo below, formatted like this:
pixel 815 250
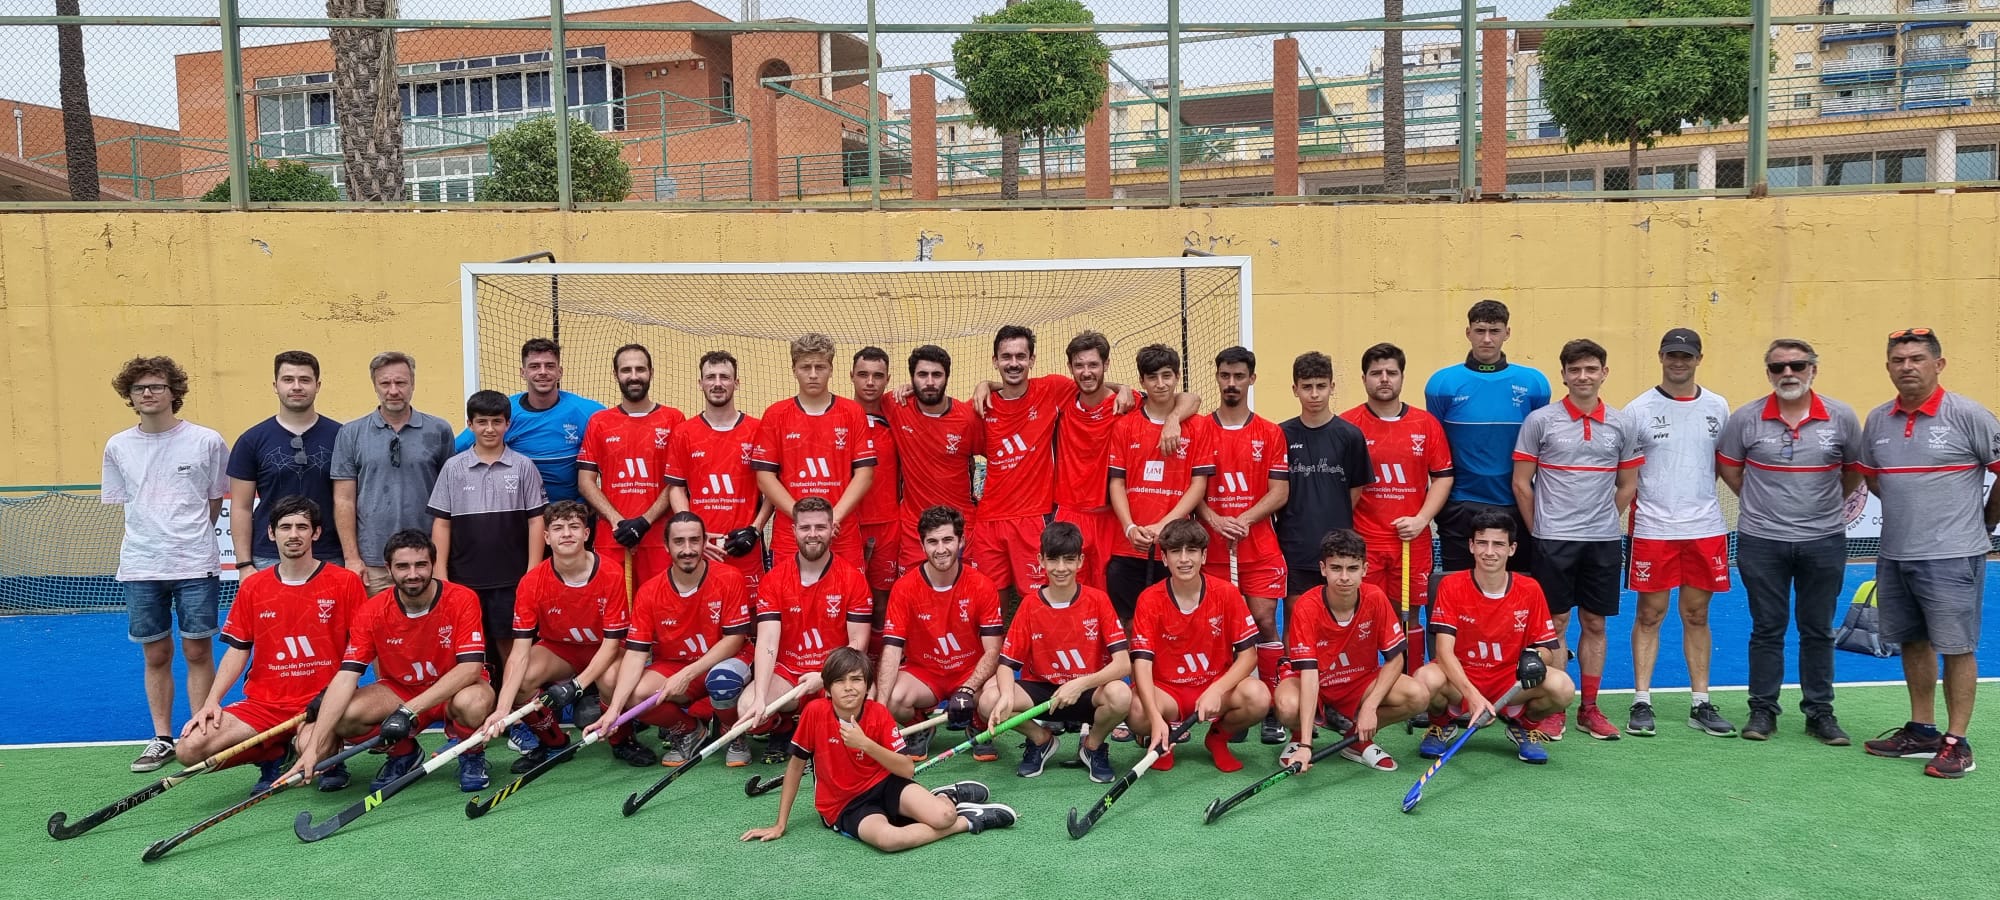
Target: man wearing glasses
pixel 384 466
pixel 287 455
pixel 1792 457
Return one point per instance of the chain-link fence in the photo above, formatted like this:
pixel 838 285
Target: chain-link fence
pixel 843 103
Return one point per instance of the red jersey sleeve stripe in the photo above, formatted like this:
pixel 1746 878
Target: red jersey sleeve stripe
pixel 1116 646
pixel 233 641
pixel 1520 456
pixel 1633 463
pixel 1727 460
pixel 1578 468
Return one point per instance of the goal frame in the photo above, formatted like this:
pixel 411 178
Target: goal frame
pixel 470 273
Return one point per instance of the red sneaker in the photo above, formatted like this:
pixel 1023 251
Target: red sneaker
pixel 1552 726
pixel 1592 721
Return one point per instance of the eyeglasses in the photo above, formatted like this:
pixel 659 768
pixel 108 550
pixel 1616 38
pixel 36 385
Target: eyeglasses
pixel 1909 332
pixel 150 389
pixel 299 449
pixel 1785 450
pixel 1794 365
pixel 396 451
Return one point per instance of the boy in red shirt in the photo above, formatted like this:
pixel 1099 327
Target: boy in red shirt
pixel 1346 643
pixel 1065 647
pixel 1490 630
pixel 570 613
pixel 286 628
pixel 423 638
pixel 861 780
pixel 805 606
pixel 941 635
pixel 816 444
pixel 1151 487
pixel 1183 631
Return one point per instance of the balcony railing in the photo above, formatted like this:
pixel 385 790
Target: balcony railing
pixel 1937 57
pixel 1945 95
pixel 429 132
pixel 1937 7
pixel 1856 29
pixel 1864 64
pixel 1834 106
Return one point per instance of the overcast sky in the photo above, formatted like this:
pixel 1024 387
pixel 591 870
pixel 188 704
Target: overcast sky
pixel 132 76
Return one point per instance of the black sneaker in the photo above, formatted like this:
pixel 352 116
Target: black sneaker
pixel 537 756
pixel 1905 743
pixel 964 792
pixel 1704 717
pixel 1273 733
pixel 1953 760
pixel 1760 726
pixel 779 750
pixel 1640 720
pixel 334 779
pixel 982 816
pixel 634 752
pixel 1827 730
pixel 158 752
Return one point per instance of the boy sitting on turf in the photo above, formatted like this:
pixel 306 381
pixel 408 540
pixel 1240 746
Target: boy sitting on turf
pixel 941 634
pixel 1492 629
pixel 1067 649
pixel 1192 622
pixel 691 623
pixel 1346 647
pixel 805 605
pixel 570 613
pixel 861 779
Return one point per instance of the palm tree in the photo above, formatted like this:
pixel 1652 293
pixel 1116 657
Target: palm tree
pixel 365 103
pixel 1010 161
pixel 1395 171
pixel 79 132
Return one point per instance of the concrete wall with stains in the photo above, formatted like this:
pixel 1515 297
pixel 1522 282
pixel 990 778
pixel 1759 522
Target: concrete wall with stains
pixel 223 292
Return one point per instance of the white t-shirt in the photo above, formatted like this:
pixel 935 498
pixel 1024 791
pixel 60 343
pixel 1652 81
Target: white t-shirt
pixel 1677 481
pixel 165 482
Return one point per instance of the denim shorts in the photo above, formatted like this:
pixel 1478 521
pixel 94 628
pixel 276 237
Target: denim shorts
pixel 152 605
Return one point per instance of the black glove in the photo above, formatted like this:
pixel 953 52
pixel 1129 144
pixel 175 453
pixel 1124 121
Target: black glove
pixel 1530 669
pixel 312 709
pixel 589 708
pixel 959 708
pixel 398 726
pixel 631 531
pixel 560 694
pixel 740 542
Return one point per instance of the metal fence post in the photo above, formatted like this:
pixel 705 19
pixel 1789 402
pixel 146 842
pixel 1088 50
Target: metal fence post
pixel 1756 164
pixel 874 117
pixel 1173 102
pixel 559 98
pixel 1468 100
pixel 232 95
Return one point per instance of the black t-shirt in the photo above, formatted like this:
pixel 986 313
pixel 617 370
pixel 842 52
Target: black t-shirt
pixel 264 454
pixel 1326 463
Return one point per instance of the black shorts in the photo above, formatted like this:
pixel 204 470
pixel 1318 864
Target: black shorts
pixel 1079 713
pixel 1299 581
pixel 885 798
pixel 1454 525
pixel 1126 577
pixel 1580 575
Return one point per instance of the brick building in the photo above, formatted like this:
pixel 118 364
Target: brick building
pixel 134 161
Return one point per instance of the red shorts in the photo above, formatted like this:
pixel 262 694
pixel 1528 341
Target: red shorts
pixel 261 715
pixel 578 656
pixel 1008 552
pixel 1491 686
pixel 940 684
pixel 697 687
pixel 1100 535
pixel 1264 577
pixel 752 566
pixel 882 542
pixel 1342 698
pixel 1385 570
pixel 1183 696
pixel 1662 565
pixel 432 716
pixel 650 558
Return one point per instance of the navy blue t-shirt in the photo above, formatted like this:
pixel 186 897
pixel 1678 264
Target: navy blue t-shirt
pixel 264 454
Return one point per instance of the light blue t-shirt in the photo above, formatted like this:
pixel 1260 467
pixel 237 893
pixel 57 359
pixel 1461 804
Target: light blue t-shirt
pixel 1482 408
pixel 550 438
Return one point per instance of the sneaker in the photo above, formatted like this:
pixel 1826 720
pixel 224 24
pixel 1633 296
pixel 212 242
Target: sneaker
pixel 964 792
pixel 918 746
pixel 1705 717
pixel 634 752
pixel 1640 720
pixel 1437 739
pixel 1122 734
pixel 738 754
pixel 684 744
pixel 334 779
pixel 985 752
pixel 1099 761
pixel 1527 744
pixel 395 767
pixel 981 816
pixel 1760 726
pixel 268 773
pixel 521 739
pixel 1826 729
pixel 536 757
pixel 1906 743
pixel 158 751
pixel 1035 757
pixel 1953 759
pixel 776 752
pixel 1272 733
pixel 1553 725
pixel 1370 755
pixel 472 772
pixel 1592 721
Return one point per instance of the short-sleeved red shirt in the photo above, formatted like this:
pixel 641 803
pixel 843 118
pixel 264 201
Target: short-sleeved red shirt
pixel 1343 653
pixel 882 504
pixel 1156 482
pixel 415 651
pixel 1056 644
pixel 1083 440
pixel 1407 452
pixel 680 627
pixel 1247 460
pixel 842 773
pixel 1192 648
pixel 629 455
pixel 714 465
pixel 934 453
pixel 812 455
pixel 812 619
pixel 1020 449
pixel 550 610
pixel 294 632
pixel 1489 633
pixel 939 626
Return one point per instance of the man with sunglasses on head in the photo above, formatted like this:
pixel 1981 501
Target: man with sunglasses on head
pixel 289 454
pixel 1793 457
pixel 384 466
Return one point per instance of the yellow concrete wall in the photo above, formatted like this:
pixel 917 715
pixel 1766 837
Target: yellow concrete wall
pixel 222 292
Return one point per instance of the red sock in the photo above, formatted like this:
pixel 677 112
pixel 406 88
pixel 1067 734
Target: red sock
pixel 1590 685
pixel 667 715
pixel 1268 657
pixel 546 727
pixel 702 710
pixel 1163 762
pixel 620 734
pixel 1217 743
pixel 727 717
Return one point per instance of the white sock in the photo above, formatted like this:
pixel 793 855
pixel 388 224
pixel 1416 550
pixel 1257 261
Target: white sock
pixel 1645 697
pixel 1700 697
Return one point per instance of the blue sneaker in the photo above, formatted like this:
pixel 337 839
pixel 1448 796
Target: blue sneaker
pixel 1034 757
pixel 1437 739
pixel 1099 762
pixel 521 739
pixel 334 779
pixel 268 774
pixel 1527 743
pixel 472 772
pixel 395 767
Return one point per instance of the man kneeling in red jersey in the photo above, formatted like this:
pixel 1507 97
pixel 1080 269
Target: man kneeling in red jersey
pixel 941 635
pixel 1182 631
pixel 805 605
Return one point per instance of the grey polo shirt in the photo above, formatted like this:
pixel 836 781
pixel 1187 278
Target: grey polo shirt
pixel 1791 476
pixel 393 473
pixel 1930 468
pixel 1577 456
pixel 489 505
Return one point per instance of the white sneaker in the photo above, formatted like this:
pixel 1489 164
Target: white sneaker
pixel 1370 755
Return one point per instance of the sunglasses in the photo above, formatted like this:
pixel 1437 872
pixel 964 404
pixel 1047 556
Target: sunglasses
pixel 1910 332
pixel 1785 450
pixel 299 449
pixel 396 451
pixel 1795 365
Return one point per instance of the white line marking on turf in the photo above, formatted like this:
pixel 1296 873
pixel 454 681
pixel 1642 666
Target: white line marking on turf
pixel 67 745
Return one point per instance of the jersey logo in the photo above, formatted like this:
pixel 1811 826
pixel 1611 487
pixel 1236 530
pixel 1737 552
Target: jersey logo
pixel 614 439
pixel 444 634
pixel 840 439
pixel 1938 436
pixel 1714 427
pixel 1156 470
pixel 1180 450
pixel 1256 451
pixel 1520 395
pixel 1215 625
pixel 1192 662
pixel 1392 473
pixel 1034 414
pixel 948 644
pixel 296 647
pixel 1642 570
pixel 509 481
pixel 268 614
pixel 816 467
pixel 1362 630
pixel 1826 439
pixel 570 433
pixel 1417 443
pixel 634 469
pixel 582 636
pixel 951 444
pixel 660 438
pixel 1013 444
pixel 832 605
pixel 720 483
pixel 746 453
pixel 1090 628
pixel 1520 620
pixel 325 609
pixel 1071 660
pixel 965 609
pixel 1235 483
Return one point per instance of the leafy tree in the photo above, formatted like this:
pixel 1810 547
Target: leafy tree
pixel 288 180
pixel 1033 83
pixel 524 165
pixel 1635 85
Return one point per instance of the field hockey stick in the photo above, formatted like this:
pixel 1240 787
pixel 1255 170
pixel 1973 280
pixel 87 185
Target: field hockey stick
pixel 758 785
pixel 1416 794
pixel 1019 719
pixel 478 806
pixel 1080 827
pixel 161 848
pixel 308 831
pixel 61 829
pixel 1219 806
pixel 635 801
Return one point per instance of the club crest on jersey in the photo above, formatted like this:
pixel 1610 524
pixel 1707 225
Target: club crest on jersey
pixel 1520 620
pixel 832 605
pixel 1364 628
pixel 746 453
pixel 1417 443
pixel 965 609
pixel 1938 436
pixel 1180 450
pixel 840 439
pixel 1826 439
pixel 1714 427
pixel 570 433
pixel 660 438
pixel 1090 628
pixel 1256 451
pixel 1215 625
pixel 951 444
pixel 325 609
pixel 444 634
pixel 1520 395
pixel 510 481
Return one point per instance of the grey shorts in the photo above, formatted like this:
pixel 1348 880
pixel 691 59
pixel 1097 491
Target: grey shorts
pixel 1934 600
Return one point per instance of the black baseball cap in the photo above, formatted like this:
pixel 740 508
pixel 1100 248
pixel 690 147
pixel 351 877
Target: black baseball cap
pixel 1681 340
